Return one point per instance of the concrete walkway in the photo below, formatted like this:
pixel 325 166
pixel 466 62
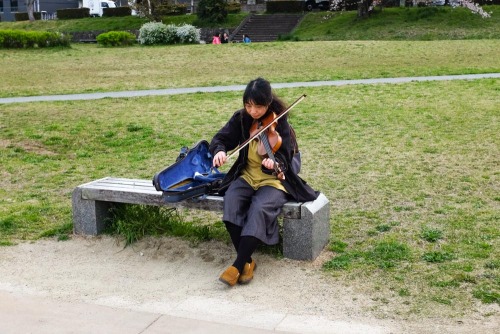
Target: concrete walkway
pixel 174 91
pixel 30 314
pixel 26 313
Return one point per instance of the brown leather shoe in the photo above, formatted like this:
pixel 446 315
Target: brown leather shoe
pixel 230 276
pixel 247 275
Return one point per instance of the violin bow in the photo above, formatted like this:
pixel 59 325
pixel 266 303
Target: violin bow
pixel 264 128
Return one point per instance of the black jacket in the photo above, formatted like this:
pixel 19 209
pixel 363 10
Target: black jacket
pixel 236 131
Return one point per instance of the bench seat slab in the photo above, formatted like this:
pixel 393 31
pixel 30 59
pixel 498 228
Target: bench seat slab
pixel 306 225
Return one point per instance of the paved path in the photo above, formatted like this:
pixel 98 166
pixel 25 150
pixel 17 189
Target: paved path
pixel 21 313
pixel 174 91
pixel 27 313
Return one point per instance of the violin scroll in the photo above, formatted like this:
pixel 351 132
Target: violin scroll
pixel 273 137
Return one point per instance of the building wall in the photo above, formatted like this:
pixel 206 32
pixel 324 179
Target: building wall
pixel 49 6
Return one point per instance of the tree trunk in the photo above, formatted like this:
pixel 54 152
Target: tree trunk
pixel 31 6
pixel 363 6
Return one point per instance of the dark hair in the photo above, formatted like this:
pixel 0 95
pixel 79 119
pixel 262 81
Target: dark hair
pixel 259 91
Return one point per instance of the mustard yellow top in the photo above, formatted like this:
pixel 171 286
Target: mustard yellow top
pixel 253 173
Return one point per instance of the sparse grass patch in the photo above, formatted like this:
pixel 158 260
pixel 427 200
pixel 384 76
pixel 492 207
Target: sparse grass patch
pixel 404 293
pixel 493 264
pixel 431 234
pixel 338 246
pixel 437 257
pixel 340 262
pixel 383 228
pixel 61 232
pixel 387 253
pixel 384 255
pixel 133 222
pixel 441 300
pixel 487 294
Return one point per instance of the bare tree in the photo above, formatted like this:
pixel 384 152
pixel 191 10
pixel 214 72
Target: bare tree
pixel 364 7
pixel 30 4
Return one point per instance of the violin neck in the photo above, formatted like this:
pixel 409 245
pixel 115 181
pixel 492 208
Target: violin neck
pixel 265 142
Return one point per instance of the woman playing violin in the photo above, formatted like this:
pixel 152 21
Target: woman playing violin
pixel 253 192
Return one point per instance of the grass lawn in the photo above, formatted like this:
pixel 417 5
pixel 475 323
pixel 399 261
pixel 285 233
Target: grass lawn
pixel 90 68
pixel 411 171
pixel 425 23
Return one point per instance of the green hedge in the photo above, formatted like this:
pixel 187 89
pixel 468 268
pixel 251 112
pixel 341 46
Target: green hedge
pixel 233 8
pixel 24 16
pixel 116 38
pixel 22 39
pixel 117 12
pixel 171 10
pixel 73 13
pixel 285 6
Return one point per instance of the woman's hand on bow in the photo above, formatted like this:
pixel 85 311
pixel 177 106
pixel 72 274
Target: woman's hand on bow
pixel 268 163
pixel 219 159
pixel 273 166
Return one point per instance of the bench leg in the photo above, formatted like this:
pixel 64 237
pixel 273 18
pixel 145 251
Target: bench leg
pixel 89 217
pixel 305 238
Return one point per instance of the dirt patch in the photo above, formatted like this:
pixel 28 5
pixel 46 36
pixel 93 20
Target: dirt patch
pixel 164 275
pixel 28 146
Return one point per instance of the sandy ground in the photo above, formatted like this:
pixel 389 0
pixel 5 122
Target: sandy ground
pixel 169 276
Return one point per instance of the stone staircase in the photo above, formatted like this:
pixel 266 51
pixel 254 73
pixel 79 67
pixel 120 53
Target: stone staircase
pixel 265 27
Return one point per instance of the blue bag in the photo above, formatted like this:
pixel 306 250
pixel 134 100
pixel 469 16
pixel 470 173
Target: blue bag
pixel 192 175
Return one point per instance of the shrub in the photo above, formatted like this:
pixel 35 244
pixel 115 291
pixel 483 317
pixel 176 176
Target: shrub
pixel 116 38
pixel 23 16
pixel 213 11
pixel 171 9
pixel 73 13
pixel 12 39
pixel 171 34
pixel 117 12
pixel 188 34
pixel 152 33
pixel 233 7
pixel 285 6
pixel 154 10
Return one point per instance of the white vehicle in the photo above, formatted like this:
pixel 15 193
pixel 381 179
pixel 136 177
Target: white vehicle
pixel 96 6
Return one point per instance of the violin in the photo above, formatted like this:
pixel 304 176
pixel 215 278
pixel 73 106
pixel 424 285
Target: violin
pixel 269 140
pixel 264 126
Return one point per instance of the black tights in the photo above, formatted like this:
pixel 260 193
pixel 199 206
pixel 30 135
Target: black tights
pixel 245 246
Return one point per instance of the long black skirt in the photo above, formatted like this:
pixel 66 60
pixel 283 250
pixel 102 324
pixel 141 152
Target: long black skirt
pixel 256 211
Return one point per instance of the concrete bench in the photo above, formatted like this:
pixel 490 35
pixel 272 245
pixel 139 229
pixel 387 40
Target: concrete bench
pixel 306 226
